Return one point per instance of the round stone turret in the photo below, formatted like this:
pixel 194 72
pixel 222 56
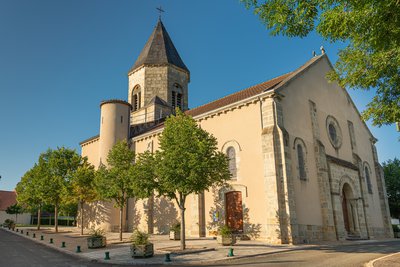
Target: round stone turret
pixel 114 125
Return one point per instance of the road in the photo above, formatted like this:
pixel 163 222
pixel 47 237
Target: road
pixel 17 251
pixel 323 256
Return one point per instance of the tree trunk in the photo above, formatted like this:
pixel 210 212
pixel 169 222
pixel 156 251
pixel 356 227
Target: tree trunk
pixel 81 217
pixel 183 238
pixel 56 218
pixel 38 216
pixel 120 222
pixel 16 218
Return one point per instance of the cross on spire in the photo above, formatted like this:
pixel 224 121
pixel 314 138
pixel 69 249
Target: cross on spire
pixel 160 10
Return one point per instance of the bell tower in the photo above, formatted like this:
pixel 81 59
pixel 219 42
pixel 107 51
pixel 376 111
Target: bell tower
pixel 158 81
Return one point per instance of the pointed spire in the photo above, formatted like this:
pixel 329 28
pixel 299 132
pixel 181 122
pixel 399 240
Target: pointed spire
pixel 159 50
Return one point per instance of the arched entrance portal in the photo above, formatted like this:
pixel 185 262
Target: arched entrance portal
pixel 234 211
pixel 349 208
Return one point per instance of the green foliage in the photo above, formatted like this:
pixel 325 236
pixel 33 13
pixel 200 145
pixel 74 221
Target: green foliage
pixel 371 29
pixel 57 168
pixel 391 169
pixel 14 209
pixel 224 231
pixel 396 228
pixel 144 174
pixel 82 183
pixel 30 190
pixel 139 238
pixel 176 227
pixel 68 209
pixel 188 160
pixel 96 232
pixel 117 181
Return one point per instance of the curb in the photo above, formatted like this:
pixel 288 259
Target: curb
pixel 371 263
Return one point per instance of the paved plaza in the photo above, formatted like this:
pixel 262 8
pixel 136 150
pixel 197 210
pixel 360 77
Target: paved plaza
pixel 199 250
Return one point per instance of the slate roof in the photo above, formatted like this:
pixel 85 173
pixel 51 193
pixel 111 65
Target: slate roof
pixel 158 101
pixel 7 198
pixel 159 50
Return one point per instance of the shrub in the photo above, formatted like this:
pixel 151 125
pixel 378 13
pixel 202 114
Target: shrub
pixel 99 232
pixel 396 228
pixel 176 227
pixel 224 231
pixel 139 238
pixel 8 223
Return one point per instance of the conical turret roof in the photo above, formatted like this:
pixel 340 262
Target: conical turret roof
pixel 159 50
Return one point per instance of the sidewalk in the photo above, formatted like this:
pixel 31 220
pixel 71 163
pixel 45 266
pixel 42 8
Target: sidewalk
pixel 392 260
pixel 199 250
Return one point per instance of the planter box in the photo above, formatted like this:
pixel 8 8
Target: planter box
pixel 96 242
pixel 226 241
pixel 174 235
pixel 142 251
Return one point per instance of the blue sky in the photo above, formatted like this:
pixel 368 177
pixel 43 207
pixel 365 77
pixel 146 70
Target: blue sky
pixel 59 59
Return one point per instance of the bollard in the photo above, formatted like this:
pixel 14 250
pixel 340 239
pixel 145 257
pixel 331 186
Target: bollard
pixel 63 244
pixel 230 252
pixel 78 249
pixel 22 231
pixel 17 230
pixel 106 255
pixel 27 233
pixel 41 237
pixel 51 240
pixel 34 235
pixel 168 257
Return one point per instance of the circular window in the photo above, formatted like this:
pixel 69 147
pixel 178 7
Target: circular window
pixel 334 132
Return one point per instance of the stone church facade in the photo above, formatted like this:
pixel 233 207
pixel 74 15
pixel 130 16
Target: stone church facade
pixel 304 165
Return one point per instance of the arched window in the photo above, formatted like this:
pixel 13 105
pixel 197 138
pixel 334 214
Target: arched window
pixel 177 97
pixel 301 162
pixel 332 132
pixel 136 98
pixel 301 151
pixel 368 179
pixel 231 153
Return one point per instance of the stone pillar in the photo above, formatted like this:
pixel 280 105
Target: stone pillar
pixel 328 225
pixel 281 223
pixel 365 226
pixel 387 225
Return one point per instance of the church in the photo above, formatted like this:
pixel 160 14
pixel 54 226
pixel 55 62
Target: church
pixel 304 166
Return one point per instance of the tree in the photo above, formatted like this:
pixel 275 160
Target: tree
pixel 57 168
pixel 83 187
pixel 117 181
pixel 371 59
pixel 188 162
pixel 391 168
pixel 14 209
pixel 30 192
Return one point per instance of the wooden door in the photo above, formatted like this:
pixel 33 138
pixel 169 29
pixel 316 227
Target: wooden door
pixel 234 211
